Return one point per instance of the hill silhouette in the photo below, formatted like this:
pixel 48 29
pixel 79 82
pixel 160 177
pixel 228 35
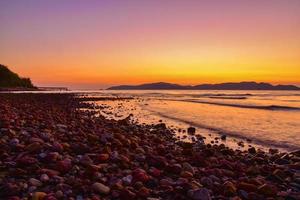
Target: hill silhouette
pixel 221 86
pixel 9 79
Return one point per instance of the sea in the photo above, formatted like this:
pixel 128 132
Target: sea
pixel 263 119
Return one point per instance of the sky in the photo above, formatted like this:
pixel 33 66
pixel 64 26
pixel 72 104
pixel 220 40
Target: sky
pixel 98 43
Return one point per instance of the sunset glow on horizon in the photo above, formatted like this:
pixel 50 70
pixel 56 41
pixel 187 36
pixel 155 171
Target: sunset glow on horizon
pixel 95 44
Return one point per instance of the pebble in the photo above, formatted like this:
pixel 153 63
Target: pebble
pixel 247 187
pixel 127 179
pixel 103 157
pixel 143 192
pixel 39 196
pixel 59 194
pixel 14 142
pixel 35 182
pixel 100 188
pixel 223 137
pixel 267 190
pixel 51 154
pixel 186 174
pixel 200 194
pixel 273 151
pixel 188 167
pixel 252 150
pixel 191 130
pixel 206 181
pixel 64 166
pixel 229 189
pixel 140 175
pixel 44 178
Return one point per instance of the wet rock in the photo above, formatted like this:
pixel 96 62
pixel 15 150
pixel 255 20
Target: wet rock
pixel 206 181
pixel 195 185
pixel 127 194
pixel 243 194
pixel 27 161
pixel 188 167
pixel 14 142
pixel 140 175
pixel 176 168
pixel 273 151
pixel 86 160
pixel 191 130
pixel 186 174
pixel 100 188
pixel 247 187
pixel 200 194
pixel 223 137
pixel 127 179
pixel 279 174
pixel 229 189
pixel 64 166
pixel 39 196
pixel 50 172
pixel 253 170
pixel 35 182
pixel 155 172
pixel 103 157
pixel 59 194
pixel 44 178
pixel 252 150
pixel 282 161
pixel 160 126
pixel 33 147
pixel 143 192
pixel 241 143
pixel 57 147
pixel 50 157
pixel 165 182
pixel 267 190
pixel 138 185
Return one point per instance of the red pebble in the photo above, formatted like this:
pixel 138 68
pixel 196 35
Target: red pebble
pixel 64 166
pixel 103 157
pixel 140 175
pixel 155 172
pixel 27 160
pixel 49 172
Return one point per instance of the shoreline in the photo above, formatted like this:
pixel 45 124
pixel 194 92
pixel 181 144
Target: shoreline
pixel 52 150
pixel 14 89
pixel 141 114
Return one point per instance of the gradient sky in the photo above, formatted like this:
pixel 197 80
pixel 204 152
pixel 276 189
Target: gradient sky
pixel 97 43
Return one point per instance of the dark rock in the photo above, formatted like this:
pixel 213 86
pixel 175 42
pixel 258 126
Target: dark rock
pixel 191 130
pixel 200 194
pixel 252 150
pixel 223 137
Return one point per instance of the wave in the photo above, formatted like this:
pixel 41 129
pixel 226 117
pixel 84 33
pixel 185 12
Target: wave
pixel 219 97
pixel 269 107
pixel 236 135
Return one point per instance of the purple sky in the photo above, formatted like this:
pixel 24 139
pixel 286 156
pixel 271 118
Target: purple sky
pixel 94 43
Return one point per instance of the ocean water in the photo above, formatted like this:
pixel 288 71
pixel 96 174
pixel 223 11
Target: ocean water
pixel 265 119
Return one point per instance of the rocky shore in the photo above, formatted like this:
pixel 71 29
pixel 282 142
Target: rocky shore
pixel 50 149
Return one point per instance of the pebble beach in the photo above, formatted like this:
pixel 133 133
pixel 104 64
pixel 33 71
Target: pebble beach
pixel 52 149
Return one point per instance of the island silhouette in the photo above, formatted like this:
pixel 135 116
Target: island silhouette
pixel 245 85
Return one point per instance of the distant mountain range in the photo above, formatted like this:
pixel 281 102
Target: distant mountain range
pixel 221 86
pixel 10 80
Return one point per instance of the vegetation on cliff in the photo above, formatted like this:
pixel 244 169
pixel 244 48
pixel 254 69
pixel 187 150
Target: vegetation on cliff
pixel 9 79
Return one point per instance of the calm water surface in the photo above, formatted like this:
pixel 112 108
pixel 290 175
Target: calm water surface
pixel 267 118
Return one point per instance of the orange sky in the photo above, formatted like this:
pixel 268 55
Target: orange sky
pixel 103 43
